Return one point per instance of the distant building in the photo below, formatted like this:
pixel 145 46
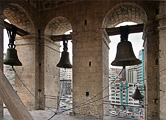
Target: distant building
pixel 140 72
pixel 131 74
pixel 65 74
pixel 113 76
pixel 9 73
pixel 121 90
pixel 65 81
pixel 121 93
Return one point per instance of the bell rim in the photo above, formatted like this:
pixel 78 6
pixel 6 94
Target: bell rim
pixel 64 66
pixel 68 65
pixel 18 63
pixel 135 62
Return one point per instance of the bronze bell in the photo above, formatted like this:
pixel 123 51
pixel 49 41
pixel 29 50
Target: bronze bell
pixel 137 95
pixel 12 58
pixel 64 61
pixel 125 55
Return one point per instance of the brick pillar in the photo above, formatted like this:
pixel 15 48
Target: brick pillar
pixel 151 46
pixel 1 62
pixel 162 59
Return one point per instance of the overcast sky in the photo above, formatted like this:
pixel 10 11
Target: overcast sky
pixel 135 39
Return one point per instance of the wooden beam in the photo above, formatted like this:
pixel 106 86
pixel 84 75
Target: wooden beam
pixel 57 38
pixel 14 104
pixel 9 27
pixel 132 29
pixel 110 32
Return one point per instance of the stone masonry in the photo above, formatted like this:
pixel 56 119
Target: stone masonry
pixel 162 58
pixel 1 63
pixel 88 20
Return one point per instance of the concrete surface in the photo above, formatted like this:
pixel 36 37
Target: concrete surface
pixel 46 114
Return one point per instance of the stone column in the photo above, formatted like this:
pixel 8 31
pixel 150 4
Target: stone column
pixel 162 59
pixel 90 72
pixel 48 74
pixel 51 73
pixel 1 62
pixel 105 71
pixel 27 49
pixel 151 46
pixel 39 56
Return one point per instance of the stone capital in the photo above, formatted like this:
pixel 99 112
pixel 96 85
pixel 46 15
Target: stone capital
pixel 150 28
pixel 162 21
pixel 161 16
pixel 105 37
pixel 2 20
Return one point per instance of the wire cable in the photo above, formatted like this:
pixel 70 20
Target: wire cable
pixel 29 90
pixel 55 113
pixel 82 104
pixel 90 98
pixel 89 102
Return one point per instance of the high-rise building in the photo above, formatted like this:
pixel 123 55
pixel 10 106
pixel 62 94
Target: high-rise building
pixel 114 76
pixel 140 72
pixel 121 90
pixel 121 94
pixel 65 74
pixel 131 74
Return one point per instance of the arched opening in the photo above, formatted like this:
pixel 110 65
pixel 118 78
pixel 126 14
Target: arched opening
pixel 63 85
pixel 122 84
pixel 17 16
pixel 122 89
pixel 7 69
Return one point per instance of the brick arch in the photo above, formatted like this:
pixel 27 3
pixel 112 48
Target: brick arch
pixel 19 17
pixel 58 26
pixel 124 12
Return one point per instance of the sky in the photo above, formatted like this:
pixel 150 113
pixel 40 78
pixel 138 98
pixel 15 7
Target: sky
pixel 135 39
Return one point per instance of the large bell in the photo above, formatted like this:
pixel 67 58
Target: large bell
pixel 137 95
pixel 125 55
pixel 12 58
pixel 64 61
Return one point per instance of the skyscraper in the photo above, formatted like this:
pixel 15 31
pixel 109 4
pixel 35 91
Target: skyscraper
pixel 140 72
pixel 131 74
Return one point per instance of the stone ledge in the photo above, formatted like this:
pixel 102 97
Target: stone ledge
pixel 160 17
